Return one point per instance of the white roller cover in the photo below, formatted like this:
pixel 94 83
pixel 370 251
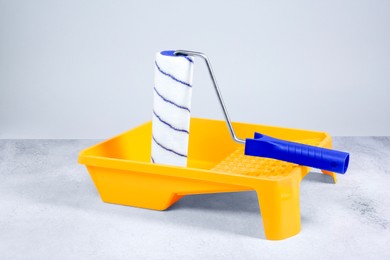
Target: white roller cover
pixel 171 108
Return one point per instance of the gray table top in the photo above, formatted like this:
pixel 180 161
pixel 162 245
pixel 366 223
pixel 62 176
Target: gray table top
pixel 49 207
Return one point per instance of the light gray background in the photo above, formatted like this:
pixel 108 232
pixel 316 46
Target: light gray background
pixel 84 69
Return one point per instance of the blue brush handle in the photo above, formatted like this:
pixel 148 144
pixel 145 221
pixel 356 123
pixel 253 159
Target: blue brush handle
pixel 317 157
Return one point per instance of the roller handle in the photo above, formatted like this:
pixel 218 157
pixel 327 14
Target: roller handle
pixel 316 157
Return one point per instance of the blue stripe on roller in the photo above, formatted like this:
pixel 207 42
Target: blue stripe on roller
pixel 152 159
pixel 168 124
pixel 167 149
pixel 187 58
pixel 172 77
pixel 170 102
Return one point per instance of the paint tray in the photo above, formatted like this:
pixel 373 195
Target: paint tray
pixel 123 173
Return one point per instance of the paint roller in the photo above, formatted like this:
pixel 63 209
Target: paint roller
pixel 171 118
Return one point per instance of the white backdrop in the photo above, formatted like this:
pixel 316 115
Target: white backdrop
pixel 84 69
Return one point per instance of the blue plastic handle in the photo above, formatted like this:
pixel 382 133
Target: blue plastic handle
pixel 317 157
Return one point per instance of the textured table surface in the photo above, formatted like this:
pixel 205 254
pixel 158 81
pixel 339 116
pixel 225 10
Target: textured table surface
pixel 49 208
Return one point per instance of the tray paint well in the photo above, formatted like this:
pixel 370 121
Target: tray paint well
pixel 122 171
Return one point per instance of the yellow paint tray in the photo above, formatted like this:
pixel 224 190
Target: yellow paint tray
pixel 123 173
